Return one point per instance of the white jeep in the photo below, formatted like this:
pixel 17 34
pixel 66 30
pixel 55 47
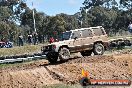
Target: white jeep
pixel 84 40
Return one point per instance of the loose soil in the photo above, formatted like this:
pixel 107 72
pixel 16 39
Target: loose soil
pixel 41 73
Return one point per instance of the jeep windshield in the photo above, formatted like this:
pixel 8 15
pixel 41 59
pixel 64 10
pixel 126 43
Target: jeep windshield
pixel 65 36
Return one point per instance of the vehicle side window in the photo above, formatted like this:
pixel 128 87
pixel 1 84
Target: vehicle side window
pixel 86 33
pixel 98 31
pixel 75 34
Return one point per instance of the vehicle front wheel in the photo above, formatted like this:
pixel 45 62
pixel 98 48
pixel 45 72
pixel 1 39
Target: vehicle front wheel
pixel 98 49
pixel 64 54
pixel 52 57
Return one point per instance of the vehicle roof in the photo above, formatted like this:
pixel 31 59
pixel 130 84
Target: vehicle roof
pixel 84 28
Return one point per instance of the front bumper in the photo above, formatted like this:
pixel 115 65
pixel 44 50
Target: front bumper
pixel 47 49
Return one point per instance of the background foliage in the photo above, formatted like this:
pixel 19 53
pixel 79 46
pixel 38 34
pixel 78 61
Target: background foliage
pixel 113 16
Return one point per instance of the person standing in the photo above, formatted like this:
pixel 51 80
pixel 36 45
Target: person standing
pixel 51 40
pixel 130 27
pixel 20 40
pixel 30 39
pixel 35 38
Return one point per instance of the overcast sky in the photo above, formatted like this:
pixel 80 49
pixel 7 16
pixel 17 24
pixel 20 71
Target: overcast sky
pixel 53 7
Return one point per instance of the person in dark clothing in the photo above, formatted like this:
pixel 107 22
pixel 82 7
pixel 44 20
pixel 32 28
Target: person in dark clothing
pixel 35 38
pixel 51 40
pixel 30 39
pixel 20 40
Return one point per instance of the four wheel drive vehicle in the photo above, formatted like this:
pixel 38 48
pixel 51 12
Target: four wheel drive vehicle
pixel 84 40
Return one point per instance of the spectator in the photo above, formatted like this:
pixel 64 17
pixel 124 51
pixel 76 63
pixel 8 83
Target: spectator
pixel 35 38
pixel 51 40
pixel 30 39
pixel 130 27
pixel 20 40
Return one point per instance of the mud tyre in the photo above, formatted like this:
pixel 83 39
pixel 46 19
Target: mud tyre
pixel 64 54
pixel 52 57
pixel 98 49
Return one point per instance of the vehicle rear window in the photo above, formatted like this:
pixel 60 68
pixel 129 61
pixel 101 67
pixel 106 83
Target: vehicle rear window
pixel 76 34
pixel 86 33
pixel 98 31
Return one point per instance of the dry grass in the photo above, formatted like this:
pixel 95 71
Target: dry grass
pixel 27 49
pixel 62 86
pixel 115 37
pixel 79 86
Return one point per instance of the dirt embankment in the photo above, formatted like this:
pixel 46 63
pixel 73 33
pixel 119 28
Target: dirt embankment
pixel 40 73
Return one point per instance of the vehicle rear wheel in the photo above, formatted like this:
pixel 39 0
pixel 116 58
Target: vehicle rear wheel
pixel 52 57
pixel 86 53
pixel 98 49
pixel 64 54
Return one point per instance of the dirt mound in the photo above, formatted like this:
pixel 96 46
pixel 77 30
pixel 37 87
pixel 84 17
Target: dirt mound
pixel 23 66
pixel 26 78
pixel 89 59
pixel 37 74
pixel 103 67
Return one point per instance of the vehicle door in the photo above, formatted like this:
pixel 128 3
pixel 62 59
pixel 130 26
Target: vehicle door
pixel 76 42
pixel 87 39
pixel 99 34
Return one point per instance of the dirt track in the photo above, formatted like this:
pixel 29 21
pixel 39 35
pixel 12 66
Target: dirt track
pixel 37 74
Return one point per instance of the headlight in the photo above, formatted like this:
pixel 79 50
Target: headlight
pixel 43 48
pixel 49 47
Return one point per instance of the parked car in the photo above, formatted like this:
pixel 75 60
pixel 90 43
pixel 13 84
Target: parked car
pixel 6 44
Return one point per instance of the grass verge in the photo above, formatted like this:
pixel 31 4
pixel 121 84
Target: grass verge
pixel 27 49
pixel 62 86
pixel 34 62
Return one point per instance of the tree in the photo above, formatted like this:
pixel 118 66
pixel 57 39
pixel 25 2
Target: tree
pixel 27 18
pixel 56 25
pixel 100 13
pixel 103 17
pixel 9 31
pixel 5 13
pixel 91 3
pixel 16 6
pixel 4 30
pixel 70 20
pixel 126 4
pixel 8 28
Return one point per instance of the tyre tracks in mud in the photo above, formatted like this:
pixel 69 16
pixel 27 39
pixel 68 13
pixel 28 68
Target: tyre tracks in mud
pixel 15 76
pixel 18 76
pixel 39 73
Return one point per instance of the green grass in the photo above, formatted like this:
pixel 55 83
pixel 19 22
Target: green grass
pixel 114 37
pixel 79 86
pixel 10 65
pixel 76 86
pixel 27 49
pixel 63 86
pixel 18 63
